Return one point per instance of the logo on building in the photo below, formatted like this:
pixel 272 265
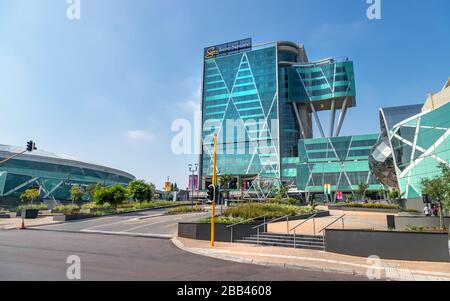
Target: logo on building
pixel 228 48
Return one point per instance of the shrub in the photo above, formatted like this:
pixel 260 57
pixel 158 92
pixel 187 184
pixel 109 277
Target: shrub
pixel 153 204
pixel 184 210
pixel 95 206
pixel 372 206
pixel 225 220
pixel 292 201
pixel 66 209
pixel 421 228
pixel 36 207
pixel 252 210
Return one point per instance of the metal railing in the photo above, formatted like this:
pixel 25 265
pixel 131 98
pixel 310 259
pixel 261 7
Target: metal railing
pixel 272 221
pixel 335 221
pixel 246 221
pixel 302 223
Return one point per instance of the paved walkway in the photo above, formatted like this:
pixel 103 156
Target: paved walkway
pixel 15 223
pixel 319 261
pixel 352 220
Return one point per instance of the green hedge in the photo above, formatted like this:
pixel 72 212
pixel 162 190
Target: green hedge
pixel 225 220
pixel 183 210
pixel 372 206
pixel 36 206
pixel 253 210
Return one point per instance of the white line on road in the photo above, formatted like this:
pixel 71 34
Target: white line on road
pixel 124 233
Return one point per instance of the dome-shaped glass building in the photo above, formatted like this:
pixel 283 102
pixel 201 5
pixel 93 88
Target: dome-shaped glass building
pixel 52 174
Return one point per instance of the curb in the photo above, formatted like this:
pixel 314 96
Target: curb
pixel 203 252
pixel 181 246
pixel 105 233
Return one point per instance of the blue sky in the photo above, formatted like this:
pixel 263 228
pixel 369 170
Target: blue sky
pixel 106 88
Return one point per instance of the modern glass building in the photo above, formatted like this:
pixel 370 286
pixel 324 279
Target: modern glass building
pixel 53 174
pixel 260 100
pixel 414 141
pixel 341 162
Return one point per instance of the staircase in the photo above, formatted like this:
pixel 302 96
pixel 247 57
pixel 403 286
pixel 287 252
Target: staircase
pixel 286 240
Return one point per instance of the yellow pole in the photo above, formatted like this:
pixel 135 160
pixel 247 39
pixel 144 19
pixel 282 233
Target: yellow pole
pixel 214 180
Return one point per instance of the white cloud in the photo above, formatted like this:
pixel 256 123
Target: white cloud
pixel 192 103
pixel 139 135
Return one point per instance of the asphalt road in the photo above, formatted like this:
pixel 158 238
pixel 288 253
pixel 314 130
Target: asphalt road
pixel 144 223
pixel 42 255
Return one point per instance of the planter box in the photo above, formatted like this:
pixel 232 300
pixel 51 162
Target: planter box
pixel 222 232
pixel 400 223
pixel 29 213
pixel 73 217
pixel 361 209
pixel 389 244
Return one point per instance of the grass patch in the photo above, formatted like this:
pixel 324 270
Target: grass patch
pixel 372 206
pixel 184 210
pixel 421 228
pixel 66 209
pixel 253 210
pixel 225 220
pixel 36 207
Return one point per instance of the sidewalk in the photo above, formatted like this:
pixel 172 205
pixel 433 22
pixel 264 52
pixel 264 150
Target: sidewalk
pixel 319 261
pixel 15 223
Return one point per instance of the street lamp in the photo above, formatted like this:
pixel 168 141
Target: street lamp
pixel 193 169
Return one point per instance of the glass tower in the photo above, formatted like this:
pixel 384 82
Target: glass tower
pixel 260 100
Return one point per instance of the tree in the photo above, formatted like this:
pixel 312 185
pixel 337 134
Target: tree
pixel 90 190
pixel 362 190
pixel 381 193
pixel 76 194
pixel 102 195
pixel 241 187
pixel 140 191
pixel 224 182
pixel 30 195
pixel 119 195
pixel 438 188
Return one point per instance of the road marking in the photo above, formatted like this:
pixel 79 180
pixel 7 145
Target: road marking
pixel 121 222
pixel 124 233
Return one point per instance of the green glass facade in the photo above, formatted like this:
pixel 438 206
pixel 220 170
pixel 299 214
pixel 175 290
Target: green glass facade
pixel 273 92
pixel 341 162
pixel 322 82
pixel 53 174
pixel 242 87
pixel 418 145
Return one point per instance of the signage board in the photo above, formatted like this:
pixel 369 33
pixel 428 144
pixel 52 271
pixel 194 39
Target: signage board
pixel 193 182
pixel 228 48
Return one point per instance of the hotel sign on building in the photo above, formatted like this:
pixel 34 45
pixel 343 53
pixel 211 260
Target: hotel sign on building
pixel 228 48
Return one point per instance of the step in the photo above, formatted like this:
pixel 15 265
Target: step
pixel 291 235
pixel 287 245
pixel 298 237
pixel 304 242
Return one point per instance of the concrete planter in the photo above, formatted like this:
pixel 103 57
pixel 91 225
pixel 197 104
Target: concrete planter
pixel 29 213
pixel 222 232
pixel 389 244
pixel 401 223
pixel 72 217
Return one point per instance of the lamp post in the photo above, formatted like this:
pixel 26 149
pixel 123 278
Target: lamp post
pixel 193 169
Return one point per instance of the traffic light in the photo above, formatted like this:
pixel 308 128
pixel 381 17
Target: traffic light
pixel 211 192
pixel 31 146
